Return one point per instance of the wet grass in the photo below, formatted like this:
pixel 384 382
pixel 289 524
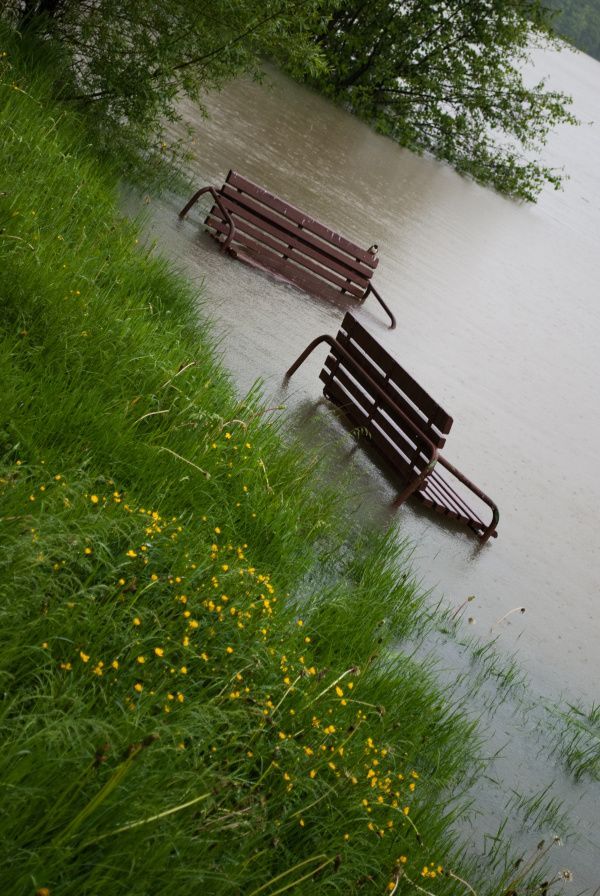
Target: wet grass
pixel 202 677
pixel 577 738
pixel 185 700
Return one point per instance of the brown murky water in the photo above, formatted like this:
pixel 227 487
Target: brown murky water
pixel 498 316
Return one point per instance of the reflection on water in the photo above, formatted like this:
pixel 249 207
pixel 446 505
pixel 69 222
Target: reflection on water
pixel 498 317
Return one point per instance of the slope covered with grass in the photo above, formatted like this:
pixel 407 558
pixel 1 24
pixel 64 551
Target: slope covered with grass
pixel 174 719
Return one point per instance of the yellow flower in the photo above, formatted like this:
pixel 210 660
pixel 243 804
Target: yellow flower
pixel 84 656
pixel 141 660
pixel 87 551
pixel 138 687
pixel 115 664
pixel 339 691
pixel 229 649
pixel 154 577
pixel 159 651
pixel 137 620
pixel 227 435
pixel 131 553
pixel 183 670
pixel 312 773
pixel 94 499
pixel 403 860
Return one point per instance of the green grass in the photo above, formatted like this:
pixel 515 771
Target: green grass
pixel 189 699
pixel 577 738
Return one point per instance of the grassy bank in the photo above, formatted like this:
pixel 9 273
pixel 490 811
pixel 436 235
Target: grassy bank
pixel 174 717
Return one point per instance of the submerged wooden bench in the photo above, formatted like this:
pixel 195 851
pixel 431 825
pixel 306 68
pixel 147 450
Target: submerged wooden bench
pixel 405 425
pixel 265 231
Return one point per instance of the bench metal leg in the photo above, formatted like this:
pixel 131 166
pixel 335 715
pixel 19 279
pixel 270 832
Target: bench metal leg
pixel 215 195
pixel 490 530
pixel 371 289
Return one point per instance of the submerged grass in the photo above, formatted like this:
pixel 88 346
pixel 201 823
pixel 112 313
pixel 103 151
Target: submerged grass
pixel 182 703
pixel 577 738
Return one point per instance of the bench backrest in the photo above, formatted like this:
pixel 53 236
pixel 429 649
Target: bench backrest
pixel 347 387
pixel 287 241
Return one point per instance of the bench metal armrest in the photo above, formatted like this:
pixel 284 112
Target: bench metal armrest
pixel 215 195
pixel 371 288
pixel 433 450
pixel 476 491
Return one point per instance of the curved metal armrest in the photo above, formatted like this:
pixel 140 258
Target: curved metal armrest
pixel 337 347
pixel 371 288
pixel 476 491
pixel 215 195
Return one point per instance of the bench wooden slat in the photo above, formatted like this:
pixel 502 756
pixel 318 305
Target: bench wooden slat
pixel 386 383
pixel 259 256
pixel 437 486
pixel 412 449
pixel 300 240
pixel 433 416
pixel 401 421
pixel 258 227
pixel 293 235
pixel 260 231
pixel 300 218
pixel 431 496
pixel 360 418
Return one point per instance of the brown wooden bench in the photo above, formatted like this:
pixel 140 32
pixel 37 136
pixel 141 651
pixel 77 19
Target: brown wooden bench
pixel 406 426
pixel 261 229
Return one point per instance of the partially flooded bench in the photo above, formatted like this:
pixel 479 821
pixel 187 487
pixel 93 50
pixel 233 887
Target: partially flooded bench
pixel 265 231
pixel 403 423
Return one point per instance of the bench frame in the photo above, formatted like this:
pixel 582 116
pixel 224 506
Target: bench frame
pixel 427 484
pixel 265 231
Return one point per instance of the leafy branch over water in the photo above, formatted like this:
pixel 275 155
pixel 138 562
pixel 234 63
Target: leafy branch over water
pixel 438 76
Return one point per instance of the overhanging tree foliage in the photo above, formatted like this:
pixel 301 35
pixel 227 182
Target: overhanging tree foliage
pixel 130 61
pixel 439 76
pixel 445 76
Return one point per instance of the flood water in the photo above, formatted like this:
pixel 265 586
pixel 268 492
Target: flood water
pixel 498 317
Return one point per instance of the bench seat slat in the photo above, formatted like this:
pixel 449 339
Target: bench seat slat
pixel 248 224
pixel 435 489
pixel 437 494
pixel 300 218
